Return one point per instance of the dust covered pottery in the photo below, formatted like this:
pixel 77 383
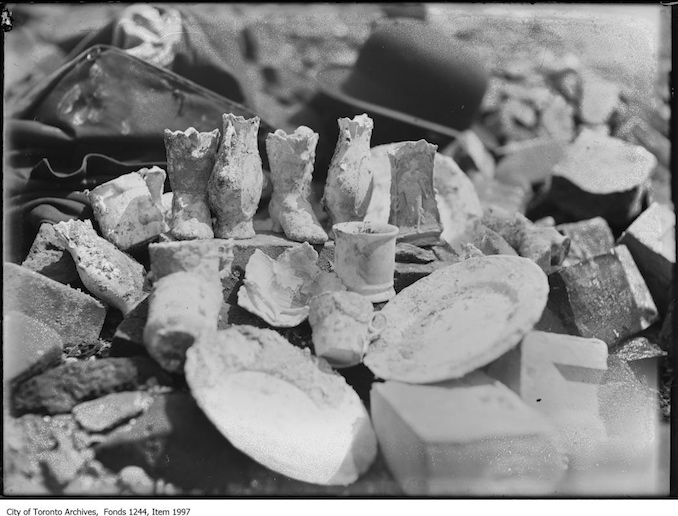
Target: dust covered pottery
pixel 458 319
pixel 279 291
pixel 282 406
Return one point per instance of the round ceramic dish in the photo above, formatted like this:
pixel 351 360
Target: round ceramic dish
pixel 458 319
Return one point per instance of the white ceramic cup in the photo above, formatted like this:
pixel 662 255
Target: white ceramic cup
pixel 364 258
pixel 343 325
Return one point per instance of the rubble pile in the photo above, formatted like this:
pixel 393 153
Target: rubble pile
pixel 475 335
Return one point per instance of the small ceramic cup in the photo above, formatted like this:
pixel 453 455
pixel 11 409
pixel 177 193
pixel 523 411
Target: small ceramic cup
pixel 364 258
pixel 343 325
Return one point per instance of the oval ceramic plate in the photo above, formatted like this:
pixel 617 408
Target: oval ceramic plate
pixel 458 319
pixel 280 405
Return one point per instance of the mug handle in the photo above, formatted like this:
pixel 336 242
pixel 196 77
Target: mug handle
pixel 377 324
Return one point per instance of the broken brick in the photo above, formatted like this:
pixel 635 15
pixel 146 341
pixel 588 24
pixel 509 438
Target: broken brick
pixel 604 297
pixel 651 239
pixel 62 388
pixel 77 317
pixel 49 257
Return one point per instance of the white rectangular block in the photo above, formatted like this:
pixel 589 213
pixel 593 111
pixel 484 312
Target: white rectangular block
pixel 470 436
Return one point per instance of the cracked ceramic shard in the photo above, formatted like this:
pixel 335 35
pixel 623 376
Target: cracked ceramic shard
pixel 458 202
pixel 602 176
pixel 413 203
pixel 456 197
pixel 128 208
pixel 457 319
pixel 279 291
pixel 190 159
pixel 210 258
pixel 234 188
pixel 182 307
pixel 282 406
pixel 107 272
pixel 291 158
pixel 349 178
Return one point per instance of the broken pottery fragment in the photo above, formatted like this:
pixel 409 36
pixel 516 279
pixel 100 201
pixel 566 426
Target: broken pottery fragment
pixel 651 239
pixel 413 203
pixel 470 436
pixel 107 272
pixel 234 187
pixel 457 319
pixel 469 152
pixel 349 179
pixel 190 160
pixel 458 202
pixel 112 410
pixel 408 253
pixel 186 297
pixel 49 256
pixel 343 324
pixel 364 258
pixel 280 405
pixel 490 242
pixel 291 158
pixel 456 198
pixel 588 238
pixel 604 297
pixel 128 208
pixel 602 176
pixel 280 290
pixel 559 376
pixel 541 244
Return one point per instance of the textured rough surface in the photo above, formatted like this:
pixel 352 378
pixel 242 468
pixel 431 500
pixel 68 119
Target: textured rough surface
pixel 60 389
pixel 182 307
pixel 285 408
pixel 348 188
pixel 107 272
pixel 49 257
pixel 27 346
pixel 408 253
pixel 602 176
pixel 234 187
pixel 588 238
pixel 651 239
pixel 483 305
pixel 190 159
pixel 291 158
pixel 559 376
pixel 128 214
pixel 75 316
pixel 604 297
pixel 471 436
pixel 413 203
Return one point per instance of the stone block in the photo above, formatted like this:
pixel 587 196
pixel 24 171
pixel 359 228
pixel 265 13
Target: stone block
pixel 651 239
pixel 602 176
pixel 471 436
pixel 604 297
pixel 50 258
pixel 588 238
pixel 559 375
pixel 77 317
pixel 62 388
pixel 29 347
